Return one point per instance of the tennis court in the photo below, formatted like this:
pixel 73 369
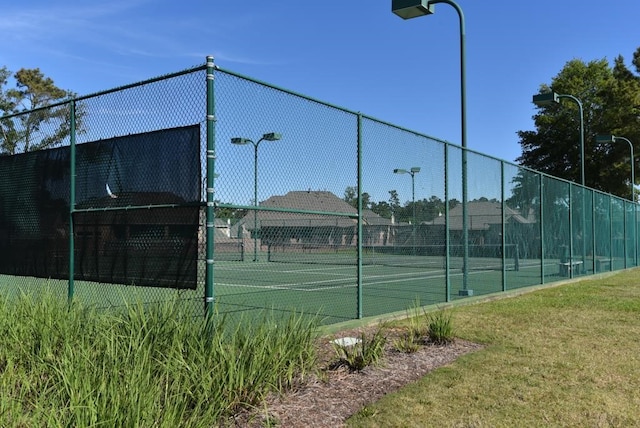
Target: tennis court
pixel 326 283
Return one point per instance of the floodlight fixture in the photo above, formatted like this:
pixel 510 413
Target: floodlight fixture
pixel 407 9
pixel 609 138
pixel 603 139
pixel 549 98
pixel 271 136
pixel 546 99
pixel 240 141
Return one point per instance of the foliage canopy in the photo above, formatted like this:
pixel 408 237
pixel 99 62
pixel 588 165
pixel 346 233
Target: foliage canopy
pixel 43 126
pixel 610 97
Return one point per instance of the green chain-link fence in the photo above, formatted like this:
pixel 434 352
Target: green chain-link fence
pixel 236 195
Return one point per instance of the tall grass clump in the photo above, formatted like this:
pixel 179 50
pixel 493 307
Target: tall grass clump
pixel 146 366
pixel 440 328
pixel 367 351
pixel 417 329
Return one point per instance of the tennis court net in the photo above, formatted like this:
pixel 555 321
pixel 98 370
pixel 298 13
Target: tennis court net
pixel 431 257
pixel 228 250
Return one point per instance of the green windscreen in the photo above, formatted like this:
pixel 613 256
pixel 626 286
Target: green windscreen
pixel 137 210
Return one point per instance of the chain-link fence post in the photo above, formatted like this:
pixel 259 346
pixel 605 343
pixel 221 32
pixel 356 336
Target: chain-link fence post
pixel 210 213
pixel 72 197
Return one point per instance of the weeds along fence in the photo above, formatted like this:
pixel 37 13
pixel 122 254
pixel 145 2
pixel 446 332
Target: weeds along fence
pixel 234 195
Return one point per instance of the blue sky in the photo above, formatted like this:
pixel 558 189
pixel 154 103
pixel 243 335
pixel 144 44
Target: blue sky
pixel 355 53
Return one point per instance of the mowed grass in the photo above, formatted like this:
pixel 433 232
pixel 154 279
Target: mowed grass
pixel 150 367
pixel 562 356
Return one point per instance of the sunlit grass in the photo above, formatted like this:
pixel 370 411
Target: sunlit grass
pixel 563 356
pixel 154 366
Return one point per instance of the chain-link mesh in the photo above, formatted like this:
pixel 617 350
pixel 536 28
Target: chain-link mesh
pixel 522 226
pixel 312 208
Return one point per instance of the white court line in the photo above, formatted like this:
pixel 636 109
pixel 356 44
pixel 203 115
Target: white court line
pixel 309 270
pixel 290 286
pixel 294 287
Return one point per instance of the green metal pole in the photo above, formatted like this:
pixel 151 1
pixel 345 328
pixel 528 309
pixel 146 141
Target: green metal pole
pixel 72 198
pixel 570 267
pixel 210 212
pixel 463 118
pixel 413 199
pixel 633 199
pixel 624 233
pixel 359 303
pixel 255 200
pixel 581 111
pixel 542 254
pixel 610 233
pixel 447 238
pixel 593 229
pixel 582 175
pixel 504 229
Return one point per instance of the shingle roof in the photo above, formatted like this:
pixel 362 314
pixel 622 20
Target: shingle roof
pixel 481 215
pixel 302 200
pixel 322 201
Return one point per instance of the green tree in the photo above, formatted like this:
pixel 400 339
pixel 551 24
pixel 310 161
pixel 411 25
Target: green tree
pixel 234 214
pixel 611 102
pixel 394 201
pixel 382 208
pixel 425 210
pixel 351 197
pixel 39 127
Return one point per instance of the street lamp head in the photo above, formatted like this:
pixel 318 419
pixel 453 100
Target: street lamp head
pixel 272 136
pixel 415 169
pixel 407 9
pixel 240 141
pixel 546 99
pixel 605 138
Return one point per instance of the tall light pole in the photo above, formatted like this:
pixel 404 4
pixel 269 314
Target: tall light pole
pixel 550 98
pixel 407 9
pixel 413 171
pixel 271 136
pixel 613 139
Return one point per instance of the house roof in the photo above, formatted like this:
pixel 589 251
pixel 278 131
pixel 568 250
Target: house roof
pixel 372 219
pixel 319 201
pixel 481 215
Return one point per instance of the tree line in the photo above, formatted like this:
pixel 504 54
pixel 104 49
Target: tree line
pixel 426 210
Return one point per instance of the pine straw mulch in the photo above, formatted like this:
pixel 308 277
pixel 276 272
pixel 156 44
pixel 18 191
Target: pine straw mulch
pixel 329 398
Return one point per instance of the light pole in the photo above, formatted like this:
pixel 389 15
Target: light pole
pixel 613 139
pixel 413 171
pixel 407 9
pixel 271 136
pixel 549 98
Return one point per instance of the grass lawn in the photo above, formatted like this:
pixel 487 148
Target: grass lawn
pixel 562 356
